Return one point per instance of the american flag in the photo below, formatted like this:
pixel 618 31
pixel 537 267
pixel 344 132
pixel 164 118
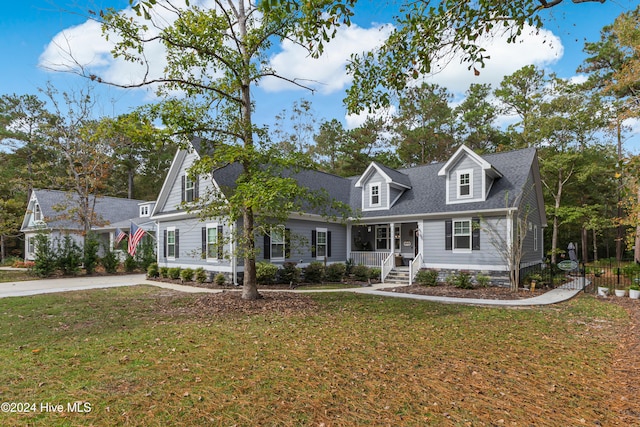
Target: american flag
pixel 119 236
pixel 135 234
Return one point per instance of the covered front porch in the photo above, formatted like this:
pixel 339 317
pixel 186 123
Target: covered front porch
pixel 386 245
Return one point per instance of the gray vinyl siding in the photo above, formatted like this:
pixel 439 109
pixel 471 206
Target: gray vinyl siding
pixel 434 244
pixel 530 213
pixel 175 195
pixel 301 234
pixel 464 164
pixel 384 192
pixel 190 245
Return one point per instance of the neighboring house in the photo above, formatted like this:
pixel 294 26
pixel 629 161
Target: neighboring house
pixel 51 211
pixel 459 215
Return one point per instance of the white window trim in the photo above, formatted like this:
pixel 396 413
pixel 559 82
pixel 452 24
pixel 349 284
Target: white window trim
pixel 144 211
pixel 370 192
pixel 535 238
pixel 453 236
pixel 325 244
pixel 171 230
pixel 458 185
pixel 37 212
pixel 209 227
pixel 189 180
pixel 283 243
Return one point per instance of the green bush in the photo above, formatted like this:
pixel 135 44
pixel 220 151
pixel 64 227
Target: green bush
pixel 146 253
pixel 462 280
pixel 219 279
pixel 110 260
pixel 427 277
pixel 361 273
pixel 90 257
pixel 164 272
pixel 186 275
pixel 289 273
pixel 335 272
pixel 130 264
pixel 266 273
pixel 69 256
pixel 152 270
pixel 631 270
pixel 174 273
pixel 375 273
pixel 314 272
pixel 483 281
pixel 44 264
pixel 200 275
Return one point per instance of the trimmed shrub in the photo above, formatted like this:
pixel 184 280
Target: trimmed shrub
pixel 266 273
pixel 200 275
pixel 130 264
pixel 374 273
pixel 90 254
pixel 462 280
pixel 289 273
pixel 427 277
pixel 110 260
pixel 335 272
pixel 44 264
pixel 174 273
pixel 314 272
pixel 152 270
pixel 483 281
pixel 361 273
pixel 219 279
pixel 186 275
pixel 164 272
pixel 146 253
pixel 69 256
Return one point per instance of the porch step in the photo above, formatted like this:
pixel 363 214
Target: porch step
pixel 398 276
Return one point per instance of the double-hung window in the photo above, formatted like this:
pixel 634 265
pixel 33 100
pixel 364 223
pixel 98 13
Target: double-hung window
pixel 189 189
pixel 464 184
pixel 171 243
pixel 374 195
pixel 382 237
pixel 277 243
pixel 212 241
pixel 462 234
pixel 321 243
pixel 37 213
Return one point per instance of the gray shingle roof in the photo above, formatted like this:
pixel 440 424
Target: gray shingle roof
pixel 55 206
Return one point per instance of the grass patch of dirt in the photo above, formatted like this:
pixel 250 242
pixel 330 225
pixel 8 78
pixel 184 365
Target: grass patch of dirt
pixel 488 292
pixel 145 356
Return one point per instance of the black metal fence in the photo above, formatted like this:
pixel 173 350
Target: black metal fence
pixel 608 274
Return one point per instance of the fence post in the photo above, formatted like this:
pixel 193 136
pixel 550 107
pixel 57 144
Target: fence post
pixel 584 277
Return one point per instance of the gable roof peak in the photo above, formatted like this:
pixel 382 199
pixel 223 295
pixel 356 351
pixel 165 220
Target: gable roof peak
pixel 391 176
pixel 463 150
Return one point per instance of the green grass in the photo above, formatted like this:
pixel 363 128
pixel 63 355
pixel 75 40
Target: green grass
pixel 15 276
pixel 146 357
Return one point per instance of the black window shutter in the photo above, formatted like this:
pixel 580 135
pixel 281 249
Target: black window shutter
pixel 204 243
pixel 475 234
pixel 267 246
pixel 287 243
pixel 313 243
pixel 182 179
pixel 328 244
pixel 177 243
pixel 164 236
pixel 448 234
pixel 196 189
pixel 220 243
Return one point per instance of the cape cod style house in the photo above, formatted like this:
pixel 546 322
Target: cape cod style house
pixel 458 215
pixel 52 211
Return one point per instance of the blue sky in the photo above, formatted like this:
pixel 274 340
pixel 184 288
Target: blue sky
pixel 28 28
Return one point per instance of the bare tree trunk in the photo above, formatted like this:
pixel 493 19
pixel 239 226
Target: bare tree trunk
pixel 595 245
pixel 636 251
pixel 2 249
pixel 585 244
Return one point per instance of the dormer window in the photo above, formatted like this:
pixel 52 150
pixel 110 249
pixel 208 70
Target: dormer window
pixel 374 192
pixel 189 188
pixel 465 183
pixel 37 213
pixel 144 211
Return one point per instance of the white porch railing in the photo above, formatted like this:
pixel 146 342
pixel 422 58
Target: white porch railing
pixel 414 267
pixel 387 266
pixel 370 259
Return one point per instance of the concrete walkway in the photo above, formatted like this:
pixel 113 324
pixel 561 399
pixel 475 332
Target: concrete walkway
pixel 34 287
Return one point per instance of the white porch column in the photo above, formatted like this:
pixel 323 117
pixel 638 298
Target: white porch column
pixel 392 237
pixel 349 239
pixel 421 248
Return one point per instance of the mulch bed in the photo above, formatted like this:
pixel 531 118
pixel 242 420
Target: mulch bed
pixel 489 292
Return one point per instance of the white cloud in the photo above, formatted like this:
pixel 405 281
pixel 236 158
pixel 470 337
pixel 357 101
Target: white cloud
pixel 326 74
pixel 538 47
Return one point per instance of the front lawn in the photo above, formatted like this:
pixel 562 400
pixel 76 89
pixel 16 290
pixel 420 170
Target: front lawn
pixel 150 357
